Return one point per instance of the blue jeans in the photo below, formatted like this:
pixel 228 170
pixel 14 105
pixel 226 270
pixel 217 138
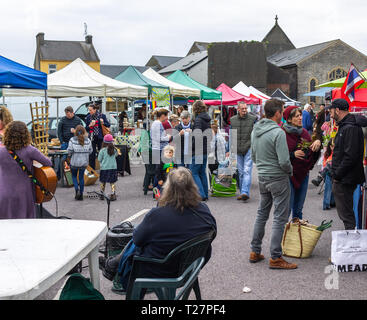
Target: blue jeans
pixel 198 169
pixel 356 196
pixel 244 166
pixel 74 174
pixel 298 197
pixel 328 193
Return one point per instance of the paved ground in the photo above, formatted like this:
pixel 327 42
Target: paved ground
pixel 229 270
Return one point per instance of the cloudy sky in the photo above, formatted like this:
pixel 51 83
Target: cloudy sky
pixel 130 32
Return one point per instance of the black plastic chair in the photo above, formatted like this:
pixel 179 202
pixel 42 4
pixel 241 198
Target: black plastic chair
pixel 187 259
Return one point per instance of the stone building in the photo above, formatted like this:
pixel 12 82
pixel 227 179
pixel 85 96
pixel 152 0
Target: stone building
pixel 312 65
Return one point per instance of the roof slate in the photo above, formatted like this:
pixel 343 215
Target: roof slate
pixel 113 71
pixel 165 61
pixel 68 50
pixel 186 62
pixel 294 56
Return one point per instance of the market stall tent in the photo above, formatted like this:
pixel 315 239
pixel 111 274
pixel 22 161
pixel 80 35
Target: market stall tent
pixel 133 76
pixel 245 91
pixel 230 97
pixel 338 83
pixel 259 93
pixel 206 93
pixel 176 89
pixel 279 94
pixel 16 75
pixel 78 79
pixel 360 97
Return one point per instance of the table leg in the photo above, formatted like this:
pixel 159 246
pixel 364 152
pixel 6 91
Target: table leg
pixel 62 166
pixel 93 267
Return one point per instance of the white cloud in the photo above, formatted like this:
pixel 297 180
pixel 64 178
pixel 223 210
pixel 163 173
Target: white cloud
pixel 129 32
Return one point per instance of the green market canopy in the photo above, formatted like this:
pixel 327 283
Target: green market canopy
pixel 133 76
pixel 206 93
pixel 338 83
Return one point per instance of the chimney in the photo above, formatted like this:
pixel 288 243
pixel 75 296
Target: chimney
pixel 40 39
pixel 88 39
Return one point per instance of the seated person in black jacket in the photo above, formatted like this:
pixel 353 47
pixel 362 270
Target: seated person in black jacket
pixel 163 169
pixel 179 217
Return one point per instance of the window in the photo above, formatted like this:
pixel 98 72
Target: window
pixel 337 73
pixel 312 87
pixel 51 68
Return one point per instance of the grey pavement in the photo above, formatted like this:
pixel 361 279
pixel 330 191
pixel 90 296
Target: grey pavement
pixel 229 270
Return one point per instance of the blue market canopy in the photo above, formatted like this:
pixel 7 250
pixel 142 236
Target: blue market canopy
pixel 16 75
pixel 318 93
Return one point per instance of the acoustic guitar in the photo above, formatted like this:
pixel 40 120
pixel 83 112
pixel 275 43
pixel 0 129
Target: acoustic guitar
pixel 47 177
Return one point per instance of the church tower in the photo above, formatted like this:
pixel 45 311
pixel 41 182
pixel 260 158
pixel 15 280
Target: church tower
pixel 276 40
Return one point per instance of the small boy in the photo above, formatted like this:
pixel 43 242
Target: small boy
pixel 162 170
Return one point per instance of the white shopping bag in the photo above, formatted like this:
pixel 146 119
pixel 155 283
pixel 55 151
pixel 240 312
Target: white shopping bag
pixel 349 250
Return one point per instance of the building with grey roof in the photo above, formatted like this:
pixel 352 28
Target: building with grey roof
pixel 159 62
pixel 113 71
pixel 195 65
pixel 52 55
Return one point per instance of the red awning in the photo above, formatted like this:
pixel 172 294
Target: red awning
pixel 231 97
pixel 359 102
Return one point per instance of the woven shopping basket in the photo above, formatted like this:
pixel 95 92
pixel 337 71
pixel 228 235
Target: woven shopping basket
pixel 299 239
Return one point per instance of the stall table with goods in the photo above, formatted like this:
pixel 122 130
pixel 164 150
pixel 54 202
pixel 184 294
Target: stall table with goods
pixel 132 142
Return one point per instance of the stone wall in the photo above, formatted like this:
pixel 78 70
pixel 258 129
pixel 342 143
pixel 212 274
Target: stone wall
pixel 231 62
pixel 339 54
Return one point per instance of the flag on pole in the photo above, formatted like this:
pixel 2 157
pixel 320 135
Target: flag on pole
pixel 352 81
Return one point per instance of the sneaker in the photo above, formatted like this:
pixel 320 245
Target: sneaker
pixel 76 195
pixel 156 193
pixel 113 197
pixel 107 273
pixel 80 196
pixel 256 257
pixel 280 263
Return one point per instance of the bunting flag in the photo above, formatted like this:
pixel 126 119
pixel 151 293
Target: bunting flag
pixel 352 81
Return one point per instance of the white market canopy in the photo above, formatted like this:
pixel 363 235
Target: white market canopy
pixel 78 79
pixel 176 89
pixel 259 93
pixel 245 90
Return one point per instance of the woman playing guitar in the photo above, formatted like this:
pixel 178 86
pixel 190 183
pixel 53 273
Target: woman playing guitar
pixel 17 191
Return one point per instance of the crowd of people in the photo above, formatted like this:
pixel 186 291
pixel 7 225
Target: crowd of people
pixel 180 147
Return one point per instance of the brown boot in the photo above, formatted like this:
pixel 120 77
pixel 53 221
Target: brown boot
pixel 280 263
pixel 255 257
pixel 243 197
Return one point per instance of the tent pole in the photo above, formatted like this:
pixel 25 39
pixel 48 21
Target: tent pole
pixel 221 113
pixel 57 110
pixel 147 112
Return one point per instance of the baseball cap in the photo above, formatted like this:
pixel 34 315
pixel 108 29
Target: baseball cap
pixel 341 104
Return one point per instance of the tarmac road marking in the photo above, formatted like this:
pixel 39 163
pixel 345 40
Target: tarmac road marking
pixel 136 215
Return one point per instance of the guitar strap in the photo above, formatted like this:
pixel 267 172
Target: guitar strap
pixel 29 174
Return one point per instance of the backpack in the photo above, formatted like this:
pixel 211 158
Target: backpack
pixel 78 287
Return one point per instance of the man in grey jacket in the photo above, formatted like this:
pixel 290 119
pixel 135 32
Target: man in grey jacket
pixel 271 156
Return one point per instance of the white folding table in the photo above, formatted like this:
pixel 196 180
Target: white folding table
pixel 36 253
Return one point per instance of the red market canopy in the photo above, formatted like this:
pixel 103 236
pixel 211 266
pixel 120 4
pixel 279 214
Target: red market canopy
pixel 230 97
pixel 360 98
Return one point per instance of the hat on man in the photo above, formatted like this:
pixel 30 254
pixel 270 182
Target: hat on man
pixel 108 138
pixel 341 104
pixel 288 111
